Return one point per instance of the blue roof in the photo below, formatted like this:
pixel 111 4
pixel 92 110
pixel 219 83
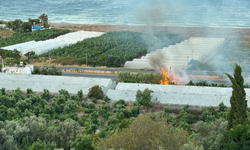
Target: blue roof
pixel 36 27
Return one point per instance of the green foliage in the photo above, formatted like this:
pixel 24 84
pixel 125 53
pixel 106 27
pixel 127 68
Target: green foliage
pixel 3 112
pixel 44 19
pixel 35 121
pixel 111 49
pixel 83 142
pixel 238 112
pixel 191 146
pixel 10 54
pixel 50 70
pixel 104 111
pixel 95 92
pixel 106 98
pixel 39 145
pixel 89 107
pixel 31 55
pixel 37 127
pixel 80 95
pixel 238 137
pixel 12 134
pixel 36 70
pixel 135 111
pixel 112 61
pixel 184 119
pixel 205 83
pixel 58 103
pixel 128 77
pixel 144 98
pixel 68 131
pixel 223 110
pixel 210 135
pixel 137 136
pixel 46 95
pixel 207 114
pixel 70 106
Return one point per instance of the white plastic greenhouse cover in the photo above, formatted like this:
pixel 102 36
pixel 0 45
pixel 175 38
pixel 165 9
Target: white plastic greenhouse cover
pixel 53 83
pixel 177 56
pixel 176 94
pixel 61 41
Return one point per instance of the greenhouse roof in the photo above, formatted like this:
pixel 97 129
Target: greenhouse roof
pixel 176 94
pixel 53 83
pixel 40 47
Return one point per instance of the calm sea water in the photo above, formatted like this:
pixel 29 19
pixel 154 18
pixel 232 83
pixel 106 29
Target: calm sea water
pixel 210 13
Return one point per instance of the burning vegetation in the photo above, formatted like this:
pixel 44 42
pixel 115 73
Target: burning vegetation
pixel 166 79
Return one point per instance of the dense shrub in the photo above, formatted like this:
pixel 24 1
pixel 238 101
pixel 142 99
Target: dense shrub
pixel 152 78
pixel 144 98
pixel 95 92
pixel 50 70
pixel 136 136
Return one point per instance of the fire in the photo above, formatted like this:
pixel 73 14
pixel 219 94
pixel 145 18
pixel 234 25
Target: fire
pixel 165 79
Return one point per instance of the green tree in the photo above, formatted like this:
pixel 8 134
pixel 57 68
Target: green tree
pixel 70 106
pixel 238 138
pixel 191 146
pixel 80 95
pixel 210 135
pixel 37 127
pixel 113 61
pixel 83 142
pixel 26 27
pixel 146 134
pixel 44 20
pixel 12 134
pixel 96 92
pixel 45 95
pixel 16 24
pixel 39 145
pixel 238 112
pixel 144 98
pixel 67 132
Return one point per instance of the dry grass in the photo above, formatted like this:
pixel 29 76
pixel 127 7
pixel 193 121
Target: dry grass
pixel 5 33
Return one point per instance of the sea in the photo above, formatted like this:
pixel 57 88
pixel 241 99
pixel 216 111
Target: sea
pixel 182 13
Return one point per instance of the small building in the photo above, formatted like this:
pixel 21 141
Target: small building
pixel 3 25
pixel 28 69
pixel 38 26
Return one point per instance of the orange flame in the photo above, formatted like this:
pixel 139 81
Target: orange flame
pixel 165 79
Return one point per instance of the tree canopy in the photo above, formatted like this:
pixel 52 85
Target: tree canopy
pixel 238 110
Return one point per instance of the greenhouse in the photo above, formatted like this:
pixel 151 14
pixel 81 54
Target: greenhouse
pixel 53 83
pixel 40 47
pixel 176 94
pixel 178 56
